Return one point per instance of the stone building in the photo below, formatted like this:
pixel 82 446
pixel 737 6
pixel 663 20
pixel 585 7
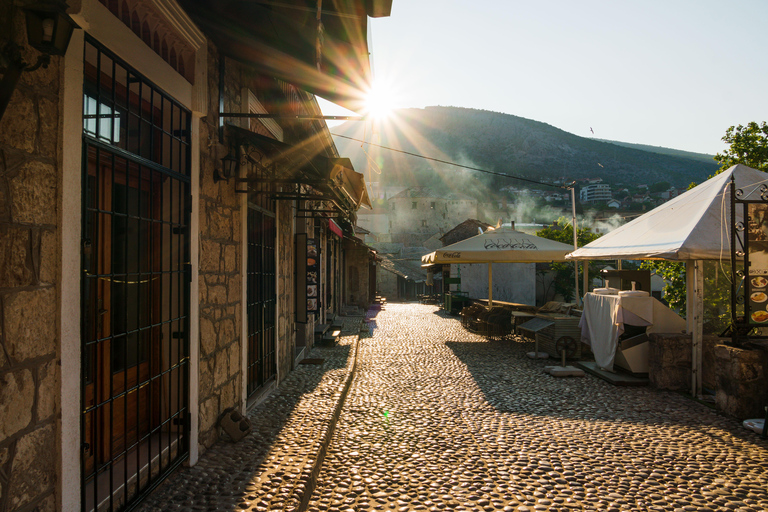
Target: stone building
pixel 163 185
pixel 423 211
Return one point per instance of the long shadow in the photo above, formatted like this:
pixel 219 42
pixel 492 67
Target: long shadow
pixel 513 383
pixel 224 476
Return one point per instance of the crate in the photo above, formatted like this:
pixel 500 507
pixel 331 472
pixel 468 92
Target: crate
pixel 562 326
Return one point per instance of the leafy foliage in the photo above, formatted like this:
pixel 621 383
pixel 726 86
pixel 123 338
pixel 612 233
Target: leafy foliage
pixel 673 273
pixel 747 145
pixel 563 272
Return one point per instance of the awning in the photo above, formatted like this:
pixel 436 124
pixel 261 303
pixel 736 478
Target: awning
pixel 301 163
pixel 281 39
pixel 351 182
pixel 335 229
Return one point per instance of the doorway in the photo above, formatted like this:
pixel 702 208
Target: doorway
pixel 135 284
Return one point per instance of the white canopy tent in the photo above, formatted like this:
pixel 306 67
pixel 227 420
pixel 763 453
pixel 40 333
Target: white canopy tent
pixel 692 227
pixel 501 245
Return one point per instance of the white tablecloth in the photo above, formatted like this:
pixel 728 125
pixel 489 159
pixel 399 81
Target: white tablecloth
pixel 603 319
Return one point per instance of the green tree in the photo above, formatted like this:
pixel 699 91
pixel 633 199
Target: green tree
pixel 747 145
pixel 563 276
pixel 661 186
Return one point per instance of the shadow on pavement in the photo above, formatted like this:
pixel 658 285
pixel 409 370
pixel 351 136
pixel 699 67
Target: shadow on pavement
pixel 515 384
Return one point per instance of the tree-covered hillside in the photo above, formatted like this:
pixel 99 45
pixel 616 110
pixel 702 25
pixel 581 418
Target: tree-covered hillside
pixel 505 144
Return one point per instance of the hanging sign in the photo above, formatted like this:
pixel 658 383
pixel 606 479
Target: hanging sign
pixel 757 262
pixel 313 276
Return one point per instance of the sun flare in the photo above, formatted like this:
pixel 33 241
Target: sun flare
pixel 380 101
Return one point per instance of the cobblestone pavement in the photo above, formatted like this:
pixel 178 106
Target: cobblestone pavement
pixel 273 466
pixel 440 419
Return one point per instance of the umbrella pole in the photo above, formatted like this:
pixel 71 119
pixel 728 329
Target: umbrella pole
pixel 490 285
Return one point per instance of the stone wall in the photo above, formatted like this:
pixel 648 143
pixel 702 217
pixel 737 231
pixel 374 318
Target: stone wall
pixel 357 276
pixel 669 361
pixel 742 381
pixel 220 379
pixel 29 272
pixel 386 284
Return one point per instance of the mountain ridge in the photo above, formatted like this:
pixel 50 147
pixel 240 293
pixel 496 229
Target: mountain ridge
pixel 508 144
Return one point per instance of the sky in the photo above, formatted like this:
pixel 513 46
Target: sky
pixel 672 73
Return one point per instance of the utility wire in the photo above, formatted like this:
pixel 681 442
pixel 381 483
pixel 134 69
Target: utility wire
pixel 451 163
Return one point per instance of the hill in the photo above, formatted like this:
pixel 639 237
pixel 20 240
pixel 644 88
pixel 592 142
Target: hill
pixel 507 144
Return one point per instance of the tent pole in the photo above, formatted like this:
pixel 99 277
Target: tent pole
pixel 694 278
pixel 575 245
pixel 490 284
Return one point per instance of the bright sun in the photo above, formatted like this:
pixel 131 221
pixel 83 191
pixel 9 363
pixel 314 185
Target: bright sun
pixel 379 102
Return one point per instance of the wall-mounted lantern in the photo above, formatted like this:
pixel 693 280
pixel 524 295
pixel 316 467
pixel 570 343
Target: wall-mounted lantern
pixel 229 166
pixel 49 30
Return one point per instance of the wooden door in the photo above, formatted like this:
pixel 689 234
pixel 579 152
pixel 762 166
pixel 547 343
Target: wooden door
pixel 120 306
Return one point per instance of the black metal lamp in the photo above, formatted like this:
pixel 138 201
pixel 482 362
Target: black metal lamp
pixel 49 30
pixel 229 166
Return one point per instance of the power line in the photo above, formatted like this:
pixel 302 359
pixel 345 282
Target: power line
pixel 451 163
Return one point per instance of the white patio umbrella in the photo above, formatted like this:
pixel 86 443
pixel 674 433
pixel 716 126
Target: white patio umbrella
pixel 501 245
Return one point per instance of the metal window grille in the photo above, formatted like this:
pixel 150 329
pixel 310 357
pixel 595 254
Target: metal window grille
pixel 135 284
pixel 261 282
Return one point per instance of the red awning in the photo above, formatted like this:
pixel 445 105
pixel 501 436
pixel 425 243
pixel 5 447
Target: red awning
pixel 335 228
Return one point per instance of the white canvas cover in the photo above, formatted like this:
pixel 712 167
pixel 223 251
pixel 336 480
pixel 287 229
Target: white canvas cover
pixel 693 226
pixel 502 245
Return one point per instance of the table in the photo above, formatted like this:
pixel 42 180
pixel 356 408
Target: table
pixel 604 317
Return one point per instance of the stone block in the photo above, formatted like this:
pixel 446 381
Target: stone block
pixel 742 381
pixel 227 397
pixel 217 294
pixel 209 413
pixel 228 333
pixel 210 256
pixel 202 290
pixel 22 132
pixel 234 359
pixel 234 290
pixel 221 369
pixel 48 259
pixel 49 125
pixel 34 468
pixel 30 324
pixel 33 194
pixel 218 223
pixel 206 378
pixel 17 401
pixel 208 337
pixel 669 361
pixel 230 259
pixel 15 258
pixel 47 390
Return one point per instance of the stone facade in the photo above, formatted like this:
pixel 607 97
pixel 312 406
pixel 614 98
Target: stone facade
pixel 29 270
pixel 358 272
pixel 220 285
pixel 41 244
pixel 424 212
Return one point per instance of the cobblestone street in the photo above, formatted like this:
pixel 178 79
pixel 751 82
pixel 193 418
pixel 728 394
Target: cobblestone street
pixel 437 418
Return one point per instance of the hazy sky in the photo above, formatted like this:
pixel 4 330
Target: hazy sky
pixel 673 73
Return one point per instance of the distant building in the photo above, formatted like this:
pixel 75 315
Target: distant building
pixel 422 210
pixel 595 193
pixel 613 203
